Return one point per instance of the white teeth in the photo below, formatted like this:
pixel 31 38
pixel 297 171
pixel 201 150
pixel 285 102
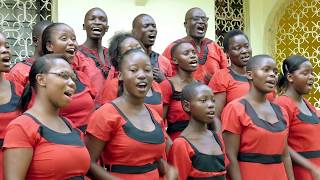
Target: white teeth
pixel 96 29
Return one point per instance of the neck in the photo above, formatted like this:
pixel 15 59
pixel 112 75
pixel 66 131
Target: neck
pixel 42 106
pixel 148 50
pixel 256 96
pixel 196 126
pixel 239 70
pixel 133 103
pixel 185 76
pixel 95 44
pixel 293 94
pixel 197 41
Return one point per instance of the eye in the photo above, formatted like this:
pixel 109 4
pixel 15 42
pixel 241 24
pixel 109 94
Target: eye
pixel 64 38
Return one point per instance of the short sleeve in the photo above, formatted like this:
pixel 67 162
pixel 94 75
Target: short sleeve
pixel 165 66
pixel 103 123
pixel 85 80
pixel 179 156
pixel 167 52
pixel 110 90
pixel 166 90
pixel 19 74
pixel 19 135
pixel 287 105
pixel 219 82
pixel 231 118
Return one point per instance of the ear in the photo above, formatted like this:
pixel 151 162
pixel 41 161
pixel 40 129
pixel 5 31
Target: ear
pixel 107 28
pixel 120 77
pixel 249 75
pixel 289 77
pixel 185 24
pixel 175 61
pixel 49 46
pixel 186 106
pixel 41 80
pixel 83 27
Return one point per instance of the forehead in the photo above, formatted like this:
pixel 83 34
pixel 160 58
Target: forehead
pixel 136 58
pixel 266 61
pixel 96 12
pixel 201 90
pixel 237 39
pixel 306 65
pixel 60 64
pixel 146 20
pixel 184 46
pixel 2 38
pixel 62 28
pixel 197 13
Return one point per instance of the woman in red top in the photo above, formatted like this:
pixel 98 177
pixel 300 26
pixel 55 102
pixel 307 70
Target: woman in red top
pixel 9 94
pixel 186 60
pixel 295 82
pixel 40 144
pixel 198 153
pixel 119 44
pixel 255 130
pixel 129 136
pixel 60 38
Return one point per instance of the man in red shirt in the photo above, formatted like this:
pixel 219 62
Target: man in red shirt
pixel 211 56
pixel 145 30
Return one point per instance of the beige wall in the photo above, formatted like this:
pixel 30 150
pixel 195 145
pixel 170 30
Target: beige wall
pixel 168 14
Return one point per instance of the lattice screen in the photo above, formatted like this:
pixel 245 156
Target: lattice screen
pixel 229 15
pixel 17 17
pixel 299 33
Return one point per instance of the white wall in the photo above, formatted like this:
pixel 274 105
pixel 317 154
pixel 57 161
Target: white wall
pixel 168 14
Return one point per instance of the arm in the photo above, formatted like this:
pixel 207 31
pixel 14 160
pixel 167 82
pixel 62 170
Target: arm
pixel 16 163
pixel 220 102
pixel 232 143
pixel 287 162
pixel 95 148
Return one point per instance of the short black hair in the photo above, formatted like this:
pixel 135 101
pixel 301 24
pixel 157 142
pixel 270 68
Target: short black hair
pixel 230 35
pixel 254 61
pixel 47 35
pixel 39 28
pixel 134 22
pixel 188 91
pixel 176 45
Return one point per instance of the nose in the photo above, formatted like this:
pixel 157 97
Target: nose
pixel 71 83
pixel 141 74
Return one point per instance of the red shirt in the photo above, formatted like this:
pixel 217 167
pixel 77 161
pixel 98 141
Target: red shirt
pixel 193 164
pixel 125 144
pixel 55 155
pixel 8 112
pixel 211 58
pixel 234 85
pixel 260 141
pixel 19 73
pixel 177 118
pixel 88 61
pixel 155 101
pixel 304 131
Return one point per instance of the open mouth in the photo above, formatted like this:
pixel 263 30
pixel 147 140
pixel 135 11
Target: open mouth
pixel 200 29
pixel 245 58
pixel 142 86
pixel 310 84
pixel 69 93
pixel 6 61
pixel 210 114
pixel 96 29
pixel 152 37
pixel 271 83
pixel 193 63
pixel 71 51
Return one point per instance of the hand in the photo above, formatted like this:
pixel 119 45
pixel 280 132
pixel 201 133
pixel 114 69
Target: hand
pixel 158 75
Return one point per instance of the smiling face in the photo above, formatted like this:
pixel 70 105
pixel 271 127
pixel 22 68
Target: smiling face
pixel 196 23
pixel 202 104
pixel 264 75
pixel 145 30
pixel 302 79
pixel 239 50
pixel 60 84
pixel 136 73
pixel 96 23
pixel 62 41
pixel 185 57
pixel 5 54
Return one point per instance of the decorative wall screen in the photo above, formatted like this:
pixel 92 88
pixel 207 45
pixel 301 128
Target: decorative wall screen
pixel 17 17
pixel 229 14
pixel 299 33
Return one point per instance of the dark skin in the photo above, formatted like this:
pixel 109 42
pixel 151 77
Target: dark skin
pixel 5 56
pixel 36 38
pixel 96 25
pixel 183 56
pixel 201 108
pixel 300 84
pixel 46 110
pixel 145 30
pixel 131 103
pixel 196 27
pixel 262 81
pixel 239 52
